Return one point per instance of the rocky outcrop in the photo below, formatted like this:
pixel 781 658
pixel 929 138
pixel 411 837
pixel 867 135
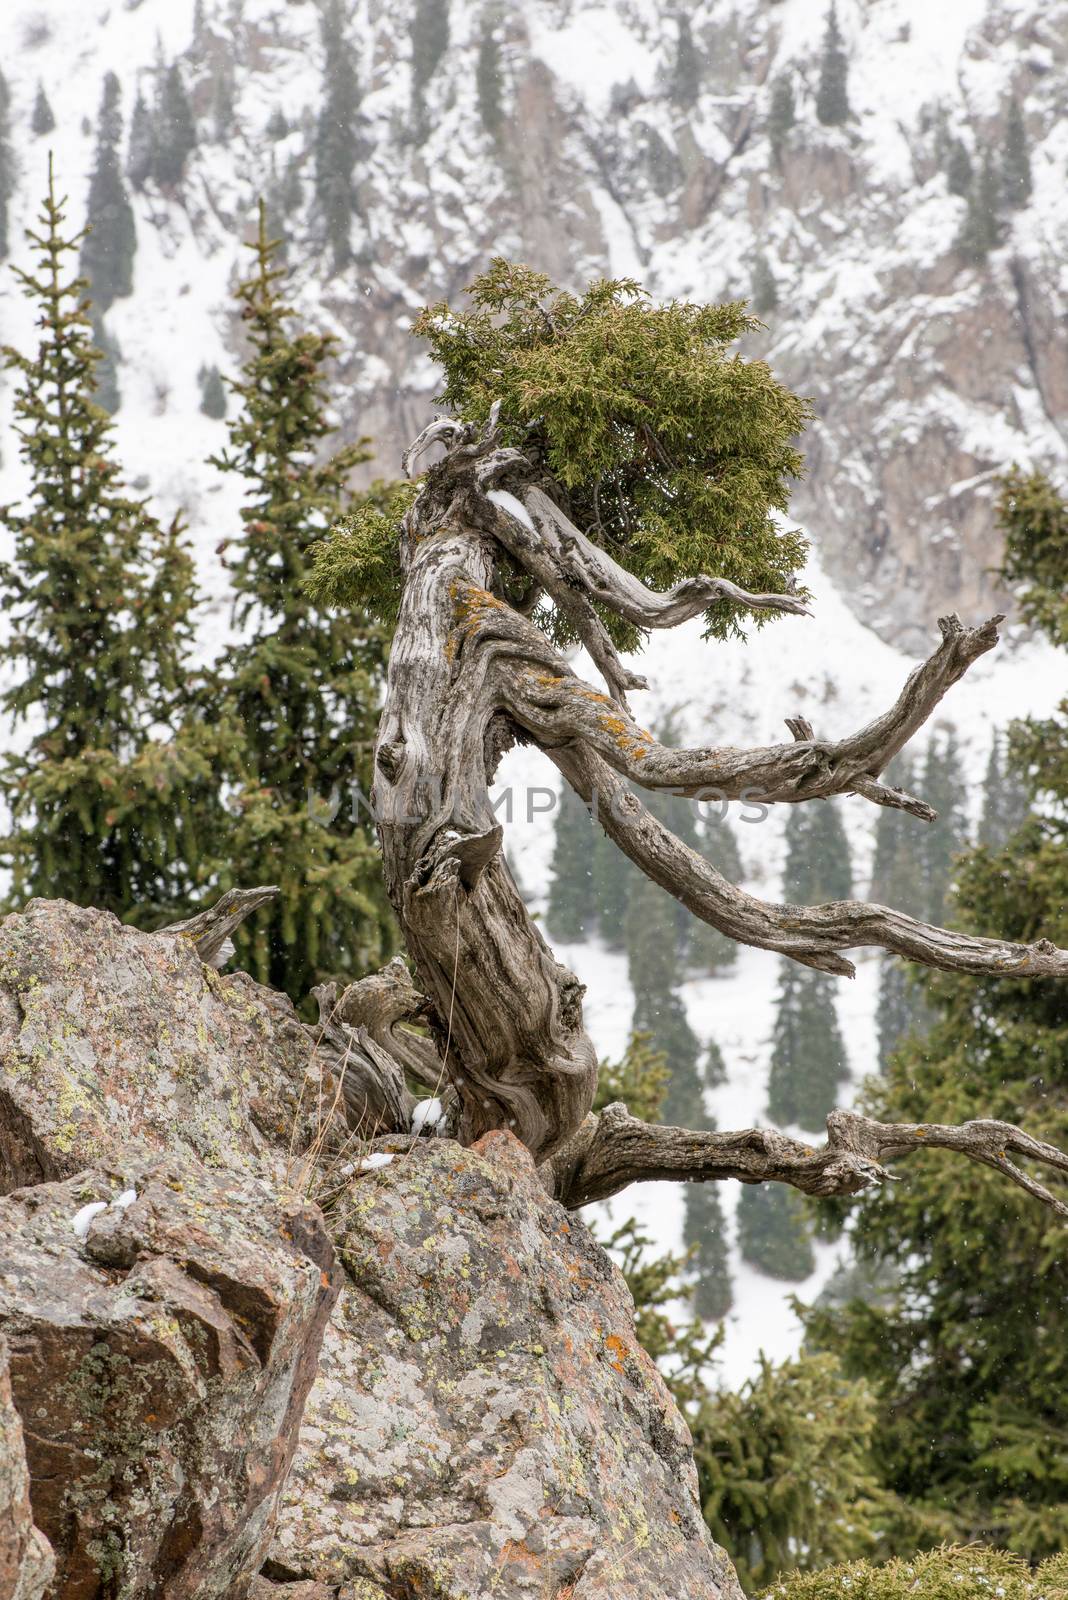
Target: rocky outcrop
pixel 160 1364
pixel 485 1422
pixel 26 1563
pixel 480 1421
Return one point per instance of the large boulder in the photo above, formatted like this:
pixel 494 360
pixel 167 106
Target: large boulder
pixel 109 1035
pixel 164 1324
pixel 485 1422
pixel 26 1564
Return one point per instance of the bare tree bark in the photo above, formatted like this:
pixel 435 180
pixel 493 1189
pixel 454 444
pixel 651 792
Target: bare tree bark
pixel 469 674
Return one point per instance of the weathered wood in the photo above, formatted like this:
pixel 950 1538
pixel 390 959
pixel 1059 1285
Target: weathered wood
pixel 211 931
pixel 469 673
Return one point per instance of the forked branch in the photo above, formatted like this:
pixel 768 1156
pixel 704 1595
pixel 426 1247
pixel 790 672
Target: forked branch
pixel 615 1149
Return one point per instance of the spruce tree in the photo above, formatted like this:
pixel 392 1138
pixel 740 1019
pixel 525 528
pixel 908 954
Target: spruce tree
pixel 704 1234
pixel 897 876
pixel 653 965
pixel 336 137
pixel 818 865
pixel 982 229
pixel 303 685
pixel 832 96
pixel 98 597
pixel 686 80
pixel 959 176
pixel 141 151
pixel 488 79
pixel 212 392
pixel 222 104
pixel 1016 183
pixel 808 1060
pixel 782 114
pixel 108 252
pixel 1005 800
pixel 42 119
pixel 175 130
pixel 107 393
pixel 570 910
pixel 613 879
pixel 940 842
pixel 773 1231
pixel 765 289
pixel 277 125
pixel 430 40
pixel 969 1360
pixel 7 164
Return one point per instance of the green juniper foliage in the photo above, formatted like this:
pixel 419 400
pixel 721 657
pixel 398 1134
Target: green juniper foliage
pixel 7 164
pixel 105 801
pixel 832 95
pixel 665 447
pixel 110 244
pixel 304 685
pixel 946 1574
pixel 773 1231
pixel 968 1359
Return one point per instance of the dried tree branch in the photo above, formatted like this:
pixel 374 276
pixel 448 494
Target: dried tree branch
pixel 210 932
pixel 373 1089
pixel 557 707
pixel 615 1149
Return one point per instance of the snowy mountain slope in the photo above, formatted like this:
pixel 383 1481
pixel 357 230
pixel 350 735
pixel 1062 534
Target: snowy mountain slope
pixel 928 374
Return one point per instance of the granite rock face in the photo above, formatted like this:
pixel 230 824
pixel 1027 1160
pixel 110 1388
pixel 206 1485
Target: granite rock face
pixel 485 1422
pixel 164 1324
pixel 26 1564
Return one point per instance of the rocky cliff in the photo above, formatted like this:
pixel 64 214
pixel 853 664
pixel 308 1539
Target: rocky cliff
pixel 445 1359
pixel 586 137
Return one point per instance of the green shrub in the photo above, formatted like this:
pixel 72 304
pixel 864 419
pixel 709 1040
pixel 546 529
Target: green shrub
pixel 961 1573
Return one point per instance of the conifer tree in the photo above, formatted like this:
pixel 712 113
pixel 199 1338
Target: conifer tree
pixel 99 600
pixel 959 175
pixel 42 119
pixel 336 136
pixel 704 1234
pixel 832 96
pixel 175 130
pixel 968 1358
pixel 653 965
pixel 488 79
pixel 686 81
pixel 277 125
pixel 808 1060
pixel 818 865
pixel 109 248
pixel 940 842
pixel 1016 182
pixel 107 393
pixel 302 687
pixel 212 392
pixel 570 911
pixel 222 104
pixel 782 114
pixel 7 164
pixel 982 229
pixel 765 289
pixel 141 152
pixel 613 878
pixel 430 40
pixel 773 1231
pixel 1005 800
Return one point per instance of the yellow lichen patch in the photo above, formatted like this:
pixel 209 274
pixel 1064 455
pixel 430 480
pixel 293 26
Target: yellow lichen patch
pixel 617 1351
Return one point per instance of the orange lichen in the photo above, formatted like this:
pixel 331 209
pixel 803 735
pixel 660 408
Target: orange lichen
pixel 617 1351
